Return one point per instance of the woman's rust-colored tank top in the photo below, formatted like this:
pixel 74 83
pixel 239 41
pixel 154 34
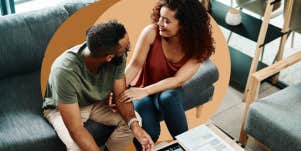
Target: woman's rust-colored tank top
pixel 157 67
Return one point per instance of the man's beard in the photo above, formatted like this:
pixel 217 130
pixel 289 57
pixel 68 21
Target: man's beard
pixel 117 60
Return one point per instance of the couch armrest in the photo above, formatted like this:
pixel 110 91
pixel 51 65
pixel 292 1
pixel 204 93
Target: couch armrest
pixel 264 73
pixel 275 68
pixel 200 84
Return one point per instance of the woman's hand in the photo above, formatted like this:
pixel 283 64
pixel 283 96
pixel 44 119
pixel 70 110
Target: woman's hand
pixel 132 94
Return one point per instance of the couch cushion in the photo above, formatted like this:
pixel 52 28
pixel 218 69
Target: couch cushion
pixel 24 38
pixel 276 120
pixel 22 126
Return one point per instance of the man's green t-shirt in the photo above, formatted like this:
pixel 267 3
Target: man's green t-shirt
pixel 70 81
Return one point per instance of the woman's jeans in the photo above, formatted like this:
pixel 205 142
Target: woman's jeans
pixel 166 105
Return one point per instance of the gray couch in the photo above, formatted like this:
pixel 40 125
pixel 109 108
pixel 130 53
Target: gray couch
pixel 24 38
pixel 275 120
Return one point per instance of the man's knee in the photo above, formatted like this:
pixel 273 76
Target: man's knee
pixel 120 138
pixel 122 123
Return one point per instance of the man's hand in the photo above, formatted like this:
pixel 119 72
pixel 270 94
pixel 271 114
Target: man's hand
pixel 144 139
pixel 132 94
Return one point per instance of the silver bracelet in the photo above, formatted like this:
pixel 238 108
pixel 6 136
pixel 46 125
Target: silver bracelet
pixel 132 121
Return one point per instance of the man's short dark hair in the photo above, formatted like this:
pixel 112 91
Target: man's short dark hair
pixel 102 39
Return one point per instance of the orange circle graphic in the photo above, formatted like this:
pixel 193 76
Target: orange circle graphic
pixel 135 15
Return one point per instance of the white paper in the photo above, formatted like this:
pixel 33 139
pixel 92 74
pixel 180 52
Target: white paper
pixel 203 138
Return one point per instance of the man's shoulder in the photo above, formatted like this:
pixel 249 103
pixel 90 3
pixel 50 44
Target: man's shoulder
pixel 68 60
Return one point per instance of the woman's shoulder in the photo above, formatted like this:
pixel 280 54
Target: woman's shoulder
pixel 151 28
pixel 150 33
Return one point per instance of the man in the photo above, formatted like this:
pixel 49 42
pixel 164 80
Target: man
pixel 79 85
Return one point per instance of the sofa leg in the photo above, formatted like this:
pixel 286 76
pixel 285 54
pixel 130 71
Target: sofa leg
pixel 198 110
pixel 243 137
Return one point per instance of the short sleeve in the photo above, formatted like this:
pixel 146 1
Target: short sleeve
pixel 119 72
pixel 63 86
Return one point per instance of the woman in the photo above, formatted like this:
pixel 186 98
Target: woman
pixel 168 52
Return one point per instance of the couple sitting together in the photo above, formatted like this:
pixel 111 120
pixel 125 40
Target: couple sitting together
pixel 82 79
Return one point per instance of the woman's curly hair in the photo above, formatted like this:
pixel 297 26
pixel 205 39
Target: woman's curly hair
pixel 195 29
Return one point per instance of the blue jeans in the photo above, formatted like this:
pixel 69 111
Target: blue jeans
pixel 166 105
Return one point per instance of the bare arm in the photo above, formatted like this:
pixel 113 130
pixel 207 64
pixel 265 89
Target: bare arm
pixel 126 109
pixel 182 75
pixel 72 119
pixel 127 112
pixel 145 39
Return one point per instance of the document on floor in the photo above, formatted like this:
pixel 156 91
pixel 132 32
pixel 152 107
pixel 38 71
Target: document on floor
pixel 203 138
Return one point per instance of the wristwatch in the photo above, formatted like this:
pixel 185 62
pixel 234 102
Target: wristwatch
pixel 132 121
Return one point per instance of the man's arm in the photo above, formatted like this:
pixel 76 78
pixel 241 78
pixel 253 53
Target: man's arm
pixel 127 112
pixel 126 109
pixel 72 119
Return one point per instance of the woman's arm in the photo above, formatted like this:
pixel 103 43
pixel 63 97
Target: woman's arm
pixel 141 50
pixel 182 75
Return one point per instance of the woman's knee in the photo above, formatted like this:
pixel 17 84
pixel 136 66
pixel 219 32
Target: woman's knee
pixel 171 96
pixel 142 104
